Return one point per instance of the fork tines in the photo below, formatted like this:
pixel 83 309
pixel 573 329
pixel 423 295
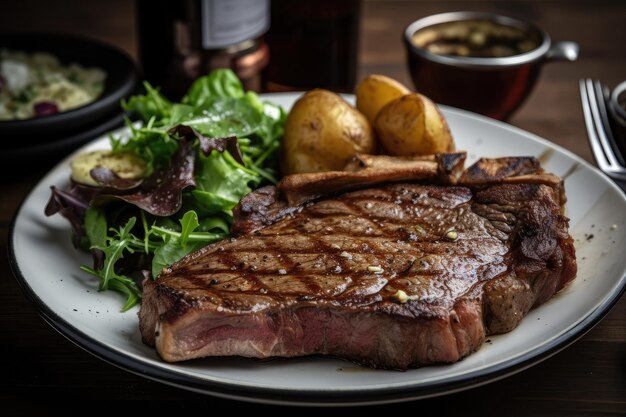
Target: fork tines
pixel 603 145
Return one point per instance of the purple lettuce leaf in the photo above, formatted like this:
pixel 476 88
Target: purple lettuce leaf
pixel 107 178
pixel 208 144
pixel 72 204
pixel 161 193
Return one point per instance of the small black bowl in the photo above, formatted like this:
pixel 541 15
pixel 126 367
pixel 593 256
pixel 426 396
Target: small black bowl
pixel 121 81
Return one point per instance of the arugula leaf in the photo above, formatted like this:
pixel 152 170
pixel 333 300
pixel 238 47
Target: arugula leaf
pixel 114 249
pixel 128 287
pixel 189 223
pixel 153 104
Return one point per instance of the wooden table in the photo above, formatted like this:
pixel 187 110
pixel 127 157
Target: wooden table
pixel 41 369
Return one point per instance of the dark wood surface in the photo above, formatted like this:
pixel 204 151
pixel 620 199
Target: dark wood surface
pixel 41 369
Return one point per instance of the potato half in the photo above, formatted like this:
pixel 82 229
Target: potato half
pixel 413 125
pixel 322 133
pixel 374 92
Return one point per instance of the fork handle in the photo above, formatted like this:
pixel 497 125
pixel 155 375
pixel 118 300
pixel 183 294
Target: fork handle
pixel 563 51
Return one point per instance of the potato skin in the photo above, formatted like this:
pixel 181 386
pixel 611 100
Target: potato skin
pixel 322 133
pixel 413 125
pixel 376 90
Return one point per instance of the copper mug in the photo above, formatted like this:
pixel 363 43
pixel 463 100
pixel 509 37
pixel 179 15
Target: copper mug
pixel 492 86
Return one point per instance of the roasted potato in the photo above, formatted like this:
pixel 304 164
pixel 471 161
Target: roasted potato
pixel 374 92
pixel 413 125
pixel 322 133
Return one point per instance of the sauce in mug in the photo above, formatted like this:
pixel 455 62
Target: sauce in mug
pixel 475 38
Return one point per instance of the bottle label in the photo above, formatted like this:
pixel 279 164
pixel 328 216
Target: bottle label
pixel 229 22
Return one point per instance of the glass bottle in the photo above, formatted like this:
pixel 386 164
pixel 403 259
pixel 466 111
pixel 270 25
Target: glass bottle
pixel 313 44
pixel 181 40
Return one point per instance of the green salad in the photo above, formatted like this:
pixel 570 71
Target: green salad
pixel 170 187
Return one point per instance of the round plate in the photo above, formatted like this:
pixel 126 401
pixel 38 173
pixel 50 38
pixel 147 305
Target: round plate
pixel 93 321
pixel 122 80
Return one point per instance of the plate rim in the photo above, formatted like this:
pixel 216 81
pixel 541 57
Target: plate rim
pixel 319 397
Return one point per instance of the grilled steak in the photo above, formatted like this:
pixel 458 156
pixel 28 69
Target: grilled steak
pixel 392 269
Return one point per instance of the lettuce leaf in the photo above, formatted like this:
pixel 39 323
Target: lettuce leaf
pixel 219 83
pixel 221 182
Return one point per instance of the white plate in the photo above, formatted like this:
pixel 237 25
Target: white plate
pixel 46 265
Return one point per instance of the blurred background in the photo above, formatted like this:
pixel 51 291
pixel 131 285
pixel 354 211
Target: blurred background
pixel 378 46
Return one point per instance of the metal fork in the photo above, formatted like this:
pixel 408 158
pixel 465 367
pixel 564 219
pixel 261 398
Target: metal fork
pixel 605 151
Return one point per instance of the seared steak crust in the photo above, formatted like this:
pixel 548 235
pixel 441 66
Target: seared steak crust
pixel 394 275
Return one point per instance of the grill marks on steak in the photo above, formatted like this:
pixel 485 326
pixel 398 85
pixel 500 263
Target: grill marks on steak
pixel 323 277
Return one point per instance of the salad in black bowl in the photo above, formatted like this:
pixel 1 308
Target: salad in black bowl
pixel 52 85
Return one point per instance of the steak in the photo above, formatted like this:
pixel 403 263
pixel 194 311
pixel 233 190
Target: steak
pixel 391 265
